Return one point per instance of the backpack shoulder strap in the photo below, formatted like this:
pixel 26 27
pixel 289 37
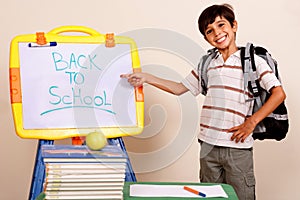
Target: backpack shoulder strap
pixel 250 76
pixel 202 68
pixel 249 69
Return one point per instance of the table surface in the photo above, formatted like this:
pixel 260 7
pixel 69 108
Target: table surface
pixel 227 188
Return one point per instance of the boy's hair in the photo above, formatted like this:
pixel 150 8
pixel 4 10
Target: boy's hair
pixel 209 15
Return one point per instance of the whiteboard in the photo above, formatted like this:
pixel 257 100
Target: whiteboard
pixel 76 86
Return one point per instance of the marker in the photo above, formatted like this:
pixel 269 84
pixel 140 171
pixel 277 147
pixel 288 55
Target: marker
pixel 194 191
pixel 50 44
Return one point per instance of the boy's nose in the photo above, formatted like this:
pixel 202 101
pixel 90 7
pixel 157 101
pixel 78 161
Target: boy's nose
pixel 217 32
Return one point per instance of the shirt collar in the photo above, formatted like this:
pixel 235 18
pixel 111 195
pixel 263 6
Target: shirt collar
pixel 236 54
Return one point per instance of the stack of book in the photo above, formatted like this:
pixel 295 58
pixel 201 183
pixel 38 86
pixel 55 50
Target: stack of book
pixel 76 172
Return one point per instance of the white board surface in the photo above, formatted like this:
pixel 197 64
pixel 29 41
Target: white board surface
pixel 76 86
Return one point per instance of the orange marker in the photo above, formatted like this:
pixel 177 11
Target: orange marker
pixel 194 191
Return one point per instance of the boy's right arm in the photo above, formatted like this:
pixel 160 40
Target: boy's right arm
pixel 139 78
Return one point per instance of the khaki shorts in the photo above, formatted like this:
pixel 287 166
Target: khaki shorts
pixel 228 165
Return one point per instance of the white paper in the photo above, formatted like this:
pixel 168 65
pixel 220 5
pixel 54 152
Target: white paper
pixel 148 190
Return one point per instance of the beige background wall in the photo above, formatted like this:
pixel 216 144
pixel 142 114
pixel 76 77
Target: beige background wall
pixel 167 150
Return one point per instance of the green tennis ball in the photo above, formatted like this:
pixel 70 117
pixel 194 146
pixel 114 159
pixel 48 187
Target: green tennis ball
pixel 96 141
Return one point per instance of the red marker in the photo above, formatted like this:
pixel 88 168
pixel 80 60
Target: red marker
pixel 194 191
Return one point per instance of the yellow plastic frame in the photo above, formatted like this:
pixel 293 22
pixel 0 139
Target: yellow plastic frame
pixel 55 35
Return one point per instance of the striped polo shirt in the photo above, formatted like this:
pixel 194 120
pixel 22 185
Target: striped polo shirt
pixel 225 104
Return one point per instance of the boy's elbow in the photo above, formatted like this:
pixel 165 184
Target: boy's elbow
pixel 280 93
pixel 177 93
pixel 180 89
pixel 283 95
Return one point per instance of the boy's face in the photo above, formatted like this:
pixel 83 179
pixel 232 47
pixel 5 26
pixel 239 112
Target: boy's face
pixel 221 34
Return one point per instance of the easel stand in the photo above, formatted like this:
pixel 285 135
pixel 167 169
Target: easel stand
pixel 39 168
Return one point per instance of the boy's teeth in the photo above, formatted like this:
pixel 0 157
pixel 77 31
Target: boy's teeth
pixel 221 39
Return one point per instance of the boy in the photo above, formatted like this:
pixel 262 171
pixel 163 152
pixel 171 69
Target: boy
pixel 226 121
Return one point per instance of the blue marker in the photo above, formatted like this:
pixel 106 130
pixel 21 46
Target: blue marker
pixel 50 44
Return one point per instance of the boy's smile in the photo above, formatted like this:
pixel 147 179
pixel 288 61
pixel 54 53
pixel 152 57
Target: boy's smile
pixel 222 39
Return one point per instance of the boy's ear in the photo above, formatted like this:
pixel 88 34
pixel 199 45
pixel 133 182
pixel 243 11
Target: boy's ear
pixel 235 25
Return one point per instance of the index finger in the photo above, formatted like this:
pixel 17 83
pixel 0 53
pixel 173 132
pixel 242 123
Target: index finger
pixel 124 76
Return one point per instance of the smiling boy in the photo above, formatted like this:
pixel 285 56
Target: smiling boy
pixel 226 121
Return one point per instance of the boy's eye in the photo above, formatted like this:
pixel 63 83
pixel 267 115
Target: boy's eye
pixel 221 24
pixel 208 32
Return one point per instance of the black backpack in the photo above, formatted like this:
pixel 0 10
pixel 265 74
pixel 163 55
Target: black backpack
pixel 276 125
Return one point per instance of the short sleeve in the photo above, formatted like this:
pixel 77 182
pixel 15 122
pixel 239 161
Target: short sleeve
pixel 192 83
pixel 267 78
